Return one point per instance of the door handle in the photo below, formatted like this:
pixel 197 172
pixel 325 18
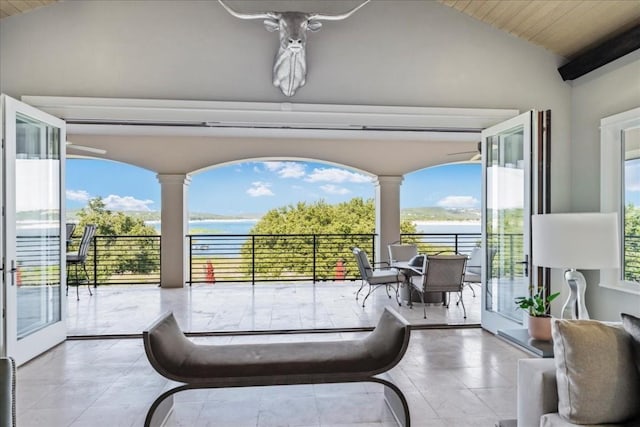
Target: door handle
pixel 13 271
pixel 525 264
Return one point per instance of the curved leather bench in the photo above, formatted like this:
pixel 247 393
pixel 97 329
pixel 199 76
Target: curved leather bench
pixel 175 357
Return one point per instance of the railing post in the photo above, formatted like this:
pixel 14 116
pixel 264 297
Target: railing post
pixel 95 261
pixel 456 242
pixel 373 247
pixel 511 261
pixel 190 261
pixel 314 258
pixel 253 260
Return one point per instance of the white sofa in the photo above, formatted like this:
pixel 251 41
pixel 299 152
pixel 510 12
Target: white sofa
pixel 581 380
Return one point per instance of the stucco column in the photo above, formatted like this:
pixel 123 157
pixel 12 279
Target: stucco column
pixel 387 214
pixel 174 262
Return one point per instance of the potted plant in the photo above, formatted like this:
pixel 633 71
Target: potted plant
pixel 537 306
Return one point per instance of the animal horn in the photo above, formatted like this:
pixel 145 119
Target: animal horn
pixel 319 16
pixel 264 15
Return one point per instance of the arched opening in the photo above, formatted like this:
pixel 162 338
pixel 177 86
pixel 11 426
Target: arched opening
pixel 122 201
pixel 265 220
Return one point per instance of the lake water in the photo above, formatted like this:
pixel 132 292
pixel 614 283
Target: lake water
pixel 217 226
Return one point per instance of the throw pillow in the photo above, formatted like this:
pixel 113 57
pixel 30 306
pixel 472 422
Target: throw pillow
pixel 596 375
pixel 632 326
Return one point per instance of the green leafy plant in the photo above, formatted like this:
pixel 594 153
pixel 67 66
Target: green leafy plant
pixel 536 305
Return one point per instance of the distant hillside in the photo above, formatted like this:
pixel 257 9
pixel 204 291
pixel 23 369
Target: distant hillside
pixel 411 214
pixel 440 214
pixel 72 215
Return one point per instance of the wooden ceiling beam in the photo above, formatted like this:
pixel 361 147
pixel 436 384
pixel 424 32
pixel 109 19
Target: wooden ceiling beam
pixel 602 54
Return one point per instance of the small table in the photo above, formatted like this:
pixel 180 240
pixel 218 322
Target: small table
pixel 408 271
pixel 521 338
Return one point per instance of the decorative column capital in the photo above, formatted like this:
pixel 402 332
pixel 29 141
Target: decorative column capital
pixel 389 179
pixel 177 178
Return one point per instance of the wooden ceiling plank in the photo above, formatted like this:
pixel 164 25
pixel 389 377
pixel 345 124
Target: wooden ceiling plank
pixel 486 8
pixel 551 16
pixel 568 36
pixel 565 26
pixel 504 12
pixel 8 8
pixel 528 10
pixel 461 5
pixel 21 5
pixel 472 8
pixel 449 3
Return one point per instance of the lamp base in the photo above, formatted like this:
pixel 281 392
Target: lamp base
pixel 574 307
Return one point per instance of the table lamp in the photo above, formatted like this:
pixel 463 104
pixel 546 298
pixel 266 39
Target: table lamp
pixel 588 241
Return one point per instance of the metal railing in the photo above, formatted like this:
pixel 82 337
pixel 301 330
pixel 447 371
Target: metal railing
pixel 37 260
pixel 508 248
pixel 275 257
pixel 121 260
pixel 257 258
pixel 632 258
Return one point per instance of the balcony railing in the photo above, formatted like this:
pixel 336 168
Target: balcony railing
pixel 275 257
pixel 121 260
pixel 257 258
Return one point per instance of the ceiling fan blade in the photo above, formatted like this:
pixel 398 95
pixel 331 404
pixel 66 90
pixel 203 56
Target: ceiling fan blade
pixel 83 148
pixel 463 152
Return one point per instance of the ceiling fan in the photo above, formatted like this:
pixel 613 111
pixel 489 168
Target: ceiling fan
pixel 477 153
pixel 73 146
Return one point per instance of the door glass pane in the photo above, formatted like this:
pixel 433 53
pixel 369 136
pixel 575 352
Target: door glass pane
pixel 631 203
pixel 38 253
pixel 505 206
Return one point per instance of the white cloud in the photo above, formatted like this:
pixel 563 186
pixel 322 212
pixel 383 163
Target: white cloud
pixel 336 175
pixel 78 195
pixel 126 203
pixel 286 169
pixel 334 189
pixel 259 189
pixel 272 166
pixel 458 202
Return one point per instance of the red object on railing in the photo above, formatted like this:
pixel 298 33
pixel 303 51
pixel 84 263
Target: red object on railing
pixel 211 275
pixel 340 271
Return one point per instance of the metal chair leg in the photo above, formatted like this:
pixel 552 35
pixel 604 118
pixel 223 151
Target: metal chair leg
pixel 86 273
pixel 463 307
pixel 361 286
pixel 424 306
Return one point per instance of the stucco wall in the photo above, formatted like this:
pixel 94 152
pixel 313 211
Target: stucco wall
pixel 405 53
pixel 410 53
pixel 612 89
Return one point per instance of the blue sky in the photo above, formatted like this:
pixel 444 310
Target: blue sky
pixel 255 187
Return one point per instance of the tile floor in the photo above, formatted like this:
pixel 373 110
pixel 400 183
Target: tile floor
pixel 242 307
pixel 451 377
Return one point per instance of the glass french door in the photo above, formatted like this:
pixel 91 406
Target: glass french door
pixel 33 249
pixel 506 204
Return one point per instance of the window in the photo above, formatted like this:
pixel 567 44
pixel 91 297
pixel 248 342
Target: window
pixel 620 192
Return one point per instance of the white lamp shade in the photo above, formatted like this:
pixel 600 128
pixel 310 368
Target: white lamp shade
pixel 576 240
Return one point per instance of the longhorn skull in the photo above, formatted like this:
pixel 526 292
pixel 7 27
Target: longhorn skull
pixel 290 67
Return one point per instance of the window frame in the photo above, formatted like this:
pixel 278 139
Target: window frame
pixel 612 188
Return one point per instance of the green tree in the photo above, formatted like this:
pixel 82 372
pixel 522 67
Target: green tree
pixel 118 255
pixel 283 243
pixel 632 243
